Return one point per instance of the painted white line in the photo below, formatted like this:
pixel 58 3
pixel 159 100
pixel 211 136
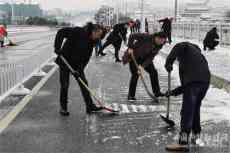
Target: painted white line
pixel 115 106
pixel 142 108
pixel 5 122
pixel 124 108
pixel 134 109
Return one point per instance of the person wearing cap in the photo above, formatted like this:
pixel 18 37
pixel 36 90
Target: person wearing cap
pixel 195 79
pixel 144 47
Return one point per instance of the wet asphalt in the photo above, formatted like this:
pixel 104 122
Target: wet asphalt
pixel 138 129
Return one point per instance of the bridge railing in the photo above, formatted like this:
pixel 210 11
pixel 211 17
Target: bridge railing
pixel 14 74
pixel 196 30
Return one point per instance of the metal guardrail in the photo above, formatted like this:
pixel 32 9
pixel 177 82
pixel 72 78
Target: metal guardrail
pixel 196 31
pixel 14 74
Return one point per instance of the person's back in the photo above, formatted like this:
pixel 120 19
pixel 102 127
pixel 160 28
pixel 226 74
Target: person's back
pixel 76 48
pixel 193 66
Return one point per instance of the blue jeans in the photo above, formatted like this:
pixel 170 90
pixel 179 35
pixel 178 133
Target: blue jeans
pixel 98 47
pixel 190 113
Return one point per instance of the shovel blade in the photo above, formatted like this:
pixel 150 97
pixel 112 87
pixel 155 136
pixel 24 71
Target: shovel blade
pixel 171 123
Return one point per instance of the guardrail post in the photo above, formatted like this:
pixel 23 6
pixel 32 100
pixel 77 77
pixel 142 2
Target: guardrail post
pixel 20 90
pixel 221 34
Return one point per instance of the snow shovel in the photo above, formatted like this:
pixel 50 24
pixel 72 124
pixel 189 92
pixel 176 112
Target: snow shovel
pixel 171 123
pixel 10 42
pixel 73 72
pixel 143 80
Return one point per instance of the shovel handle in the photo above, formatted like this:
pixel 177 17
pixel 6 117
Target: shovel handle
pixel 169 89
pixel 86 86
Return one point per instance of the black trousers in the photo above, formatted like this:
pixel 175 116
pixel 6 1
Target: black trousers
pixel 116 44
pixel 169 36
pixel 64 82
pixel 2 43
pixel 153 74
pixel 190 113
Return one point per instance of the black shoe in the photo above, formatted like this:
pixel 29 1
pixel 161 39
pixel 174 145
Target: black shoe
pixel 64 112
pixel 195 138
pixel 117 60
pixel 93 109
pixel 204 48
pixel 131 98
pixel 183 138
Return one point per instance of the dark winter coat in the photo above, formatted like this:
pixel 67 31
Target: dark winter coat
pixel 77 48
pixel 167 25
pixel 211 37
pixel 119 33
pixel 193 67
pixel 143 47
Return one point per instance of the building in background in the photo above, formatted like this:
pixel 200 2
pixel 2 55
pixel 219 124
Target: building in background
pixel 21 11
pixel 194 10
pixel 105 15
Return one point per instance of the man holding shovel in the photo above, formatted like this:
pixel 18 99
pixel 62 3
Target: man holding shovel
pixel 77 50
pixel 195 79
pixel 142 48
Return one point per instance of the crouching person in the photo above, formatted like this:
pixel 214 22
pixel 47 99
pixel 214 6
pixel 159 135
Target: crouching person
pixel 211 39
pixel 144 47
pixel 195 79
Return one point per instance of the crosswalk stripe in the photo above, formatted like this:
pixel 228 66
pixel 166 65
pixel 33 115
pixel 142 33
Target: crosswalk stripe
pixel 142 108
pixel 152 108
pixel 115 106
pixel 134 109
pixel 124 108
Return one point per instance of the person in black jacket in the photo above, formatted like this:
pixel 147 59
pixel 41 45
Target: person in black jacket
pixel 195 79
pixel 167 27
pixel 77 50
pixel 211 39
pixel 115 38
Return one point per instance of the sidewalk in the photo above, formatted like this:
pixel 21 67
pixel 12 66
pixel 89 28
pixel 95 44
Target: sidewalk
pixel 219 63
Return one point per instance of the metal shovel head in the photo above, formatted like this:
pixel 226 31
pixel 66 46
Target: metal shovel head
pixel 171 123
pixel 11 44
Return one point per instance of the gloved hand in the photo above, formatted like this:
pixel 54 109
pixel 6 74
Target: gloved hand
pixel 168 68
pixel 169 93
pixel 76 74
pixel 159 94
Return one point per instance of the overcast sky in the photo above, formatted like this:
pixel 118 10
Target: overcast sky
pixel 91 4
pixel 94 4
